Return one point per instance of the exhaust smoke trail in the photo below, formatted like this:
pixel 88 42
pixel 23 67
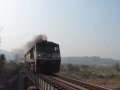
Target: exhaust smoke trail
pixel 29 44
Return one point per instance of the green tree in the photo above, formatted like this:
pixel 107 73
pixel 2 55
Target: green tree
pixel 76 69
pixel 2 57
pixel 117 67
pixel 84 68
pixel 9 74
pixel 2 62
pixel 70 67
pixel 12 73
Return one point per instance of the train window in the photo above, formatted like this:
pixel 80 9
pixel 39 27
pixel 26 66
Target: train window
pixel 56 48
pixel 53 48
pixel 41 48
pixel 47 48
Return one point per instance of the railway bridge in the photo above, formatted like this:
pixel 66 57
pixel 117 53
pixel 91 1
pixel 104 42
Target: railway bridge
pixel 31 81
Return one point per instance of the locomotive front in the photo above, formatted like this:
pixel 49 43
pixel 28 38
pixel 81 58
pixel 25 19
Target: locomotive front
pixel 47 57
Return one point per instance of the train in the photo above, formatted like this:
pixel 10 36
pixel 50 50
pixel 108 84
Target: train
pixel 43 57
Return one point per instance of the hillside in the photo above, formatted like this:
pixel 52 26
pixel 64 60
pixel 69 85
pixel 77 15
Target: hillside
pixel 8 55
pixel 89 60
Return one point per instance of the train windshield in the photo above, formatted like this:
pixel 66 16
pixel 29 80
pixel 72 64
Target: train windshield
pixel 53 48
pixel 41 48
pixel 46 48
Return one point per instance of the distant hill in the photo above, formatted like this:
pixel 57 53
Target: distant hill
pixel 95 60
pixel 8 55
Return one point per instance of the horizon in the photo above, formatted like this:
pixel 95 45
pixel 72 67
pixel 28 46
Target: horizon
pixel 67 56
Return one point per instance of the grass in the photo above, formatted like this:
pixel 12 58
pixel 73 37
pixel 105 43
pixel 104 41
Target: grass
pixel 105 76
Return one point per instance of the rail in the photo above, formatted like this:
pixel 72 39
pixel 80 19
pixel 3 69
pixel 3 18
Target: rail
pixel 82 83
pixel 59 82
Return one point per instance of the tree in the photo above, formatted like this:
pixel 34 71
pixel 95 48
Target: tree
pixel 76 69
pixel 84 67
pixel 117 67
pixel 70 67
pixel 2 57
pixel 9 74
pixel 12 75
pixel 2 62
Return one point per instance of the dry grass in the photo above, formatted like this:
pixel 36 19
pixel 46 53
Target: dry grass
pixel 105 79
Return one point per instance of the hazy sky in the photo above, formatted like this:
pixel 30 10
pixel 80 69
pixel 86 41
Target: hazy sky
pixel 81 27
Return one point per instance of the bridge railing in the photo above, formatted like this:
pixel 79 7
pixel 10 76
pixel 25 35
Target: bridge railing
pixel 39 81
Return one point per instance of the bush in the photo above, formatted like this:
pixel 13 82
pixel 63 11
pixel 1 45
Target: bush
pixel 9 74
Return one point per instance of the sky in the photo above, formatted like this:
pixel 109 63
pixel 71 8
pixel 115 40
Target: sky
pixel 80 27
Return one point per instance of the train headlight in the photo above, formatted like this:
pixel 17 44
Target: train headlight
pixel 39 55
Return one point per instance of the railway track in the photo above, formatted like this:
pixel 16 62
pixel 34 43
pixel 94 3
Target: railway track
pixel 81 83
pixel 63 85
pixel 66 83
pixel 60 82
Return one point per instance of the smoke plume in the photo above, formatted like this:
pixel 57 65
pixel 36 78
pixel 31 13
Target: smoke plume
pixel 29 44
pixel 35 40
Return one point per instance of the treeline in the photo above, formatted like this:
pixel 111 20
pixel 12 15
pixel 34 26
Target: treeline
pixel 74 68
pixel 85 68
pixel 9 74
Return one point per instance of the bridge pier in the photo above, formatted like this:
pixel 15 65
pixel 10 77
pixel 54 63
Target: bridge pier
pixel 23 82
pixel 31 85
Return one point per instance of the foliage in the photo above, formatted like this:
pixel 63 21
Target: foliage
pixel 70 67
pixel 74 68
pixel 9 74
pixel 2 61
pixel 84 68
pixel 117 67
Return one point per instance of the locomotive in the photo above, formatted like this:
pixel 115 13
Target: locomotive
pixel 43 57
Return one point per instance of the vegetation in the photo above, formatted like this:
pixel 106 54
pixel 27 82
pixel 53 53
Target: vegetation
pixel 107 76
pixel 9 74
pixel 117 67
pixel 95 60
